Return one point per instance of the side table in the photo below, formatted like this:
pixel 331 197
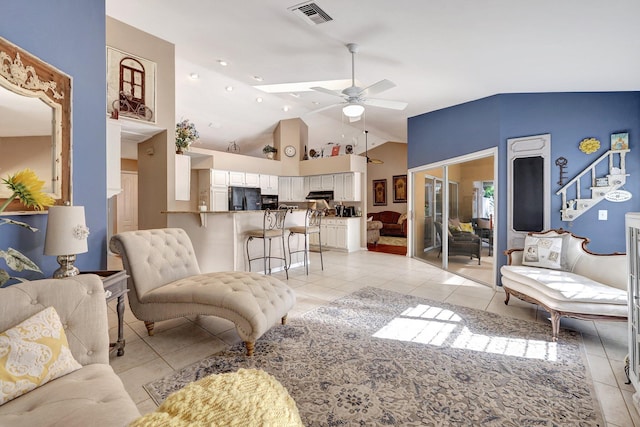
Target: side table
pixel 115 286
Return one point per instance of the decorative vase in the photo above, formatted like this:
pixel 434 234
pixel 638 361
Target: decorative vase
pixel 270 155
pixel 179 150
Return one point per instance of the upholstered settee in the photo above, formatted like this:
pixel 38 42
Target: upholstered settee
pixel 461 243
pixel 393 223
pixel 90 396
pixel 556 271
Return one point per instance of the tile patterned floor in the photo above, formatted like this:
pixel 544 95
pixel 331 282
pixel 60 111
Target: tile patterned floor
pixel 183 341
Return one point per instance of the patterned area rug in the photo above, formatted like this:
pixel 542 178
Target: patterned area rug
pixel 377 357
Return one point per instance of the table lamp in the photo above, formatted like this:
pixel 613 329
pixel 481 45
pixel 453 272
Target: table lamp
pixel 66 237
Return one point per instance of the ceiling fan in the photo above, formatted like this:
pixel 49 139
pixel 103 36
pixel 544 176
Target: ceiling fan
pixel 366 150
pixel 355 98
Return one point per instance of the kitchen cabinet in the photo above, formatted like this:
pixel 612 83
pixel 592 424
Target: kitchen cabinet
pixel 213 186
pixel 244 179
pixel 347 187
pixel 338 233
pixel 269 184
pixel 321 183
pixel 291 189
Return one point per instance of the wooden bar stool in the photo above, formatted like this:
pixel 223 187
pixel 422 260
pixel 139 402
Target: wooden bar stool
pixel 312 221
pixel 272 227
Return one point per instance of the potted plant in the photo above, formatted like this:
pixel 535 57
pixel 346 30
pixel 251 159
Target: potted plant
pixel 269 151
pixel 186 133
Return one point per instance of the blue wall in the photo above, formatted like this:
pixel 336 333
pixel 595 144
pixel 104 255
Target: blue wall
pixel 70 35
pixel 569 118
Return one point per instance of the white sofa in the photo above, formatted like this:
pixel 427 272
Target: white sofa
pixel 588 286
pixel 90 396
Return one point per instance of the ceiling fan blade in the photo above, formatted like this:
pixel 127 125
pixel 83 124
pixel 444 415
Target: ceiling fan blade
pixel 378 87
pixel 385 103
pixel 327 91
pixel 375 161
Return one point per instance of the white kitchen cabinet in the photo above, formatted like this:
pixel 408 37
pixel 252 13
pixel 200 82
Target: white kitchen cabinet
pixel 291 189
pixel 220 198
pixel 183 177
pixel 269 184
pixel 244 179
pixel 347 187
pixel 321 182
pixel 338 233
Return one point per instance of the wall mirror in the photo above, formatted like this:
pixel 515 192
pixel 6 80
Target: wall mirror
pixel 35 122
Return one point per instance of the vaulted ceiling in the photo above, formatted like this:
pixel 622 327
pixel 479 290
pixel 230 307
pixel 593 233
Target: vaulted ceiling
pixel 438 53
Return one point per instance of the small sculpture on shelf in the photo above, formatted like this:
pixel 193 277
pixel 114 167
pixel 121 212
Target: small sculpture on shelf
pixel 269 151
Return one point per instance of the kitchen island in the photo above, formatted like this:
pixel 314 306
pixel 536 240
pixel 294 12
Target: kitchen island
pixel 219 238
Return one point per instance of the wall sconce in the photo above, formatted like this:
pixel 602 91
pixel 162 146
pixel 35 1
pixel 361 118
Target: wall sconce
pixel 66 237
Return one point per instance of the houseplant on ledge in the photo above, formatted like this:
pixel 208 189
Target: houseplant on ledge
pixel 269 151
pixel 26 187
pixel 186 134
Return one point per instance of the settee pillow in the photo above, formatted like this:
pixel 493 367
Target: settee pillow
pixel 466 226
pixel 33 353
pixel 402 218
pixel 545 252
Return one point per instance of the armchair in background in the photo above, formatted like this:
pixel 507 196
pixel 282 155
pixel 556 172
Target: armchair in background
pixel 461 243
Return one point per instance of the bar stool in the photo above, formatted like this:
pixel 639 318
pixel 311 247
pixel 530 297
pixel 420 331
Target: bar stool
pixel 272 227
pixel 312 221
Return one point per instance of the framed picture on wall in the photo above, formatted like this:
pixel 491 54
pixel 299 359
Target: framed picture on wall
pixel 400 189
pixel 620 141
pixel 131 86
pixel 379 192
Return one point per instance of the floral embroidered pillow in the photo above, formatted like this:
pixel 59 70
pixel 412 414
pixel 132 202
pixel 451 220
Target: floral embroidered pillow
pixel 33 353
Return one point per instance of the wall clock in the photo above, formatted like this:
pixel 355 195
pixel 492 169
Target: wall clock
pixel 290 150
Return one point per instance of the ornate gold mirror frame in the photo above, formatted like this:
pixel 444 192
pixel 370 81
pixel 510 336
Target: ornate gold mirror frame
pixel 27 75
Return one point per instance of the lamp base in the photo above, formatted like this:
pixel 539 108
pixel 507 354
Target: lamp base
pixel 67 269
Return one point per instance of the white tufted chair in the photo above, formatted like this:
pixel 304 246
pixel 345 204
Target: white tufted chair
pixel 91 396
pixel 165 282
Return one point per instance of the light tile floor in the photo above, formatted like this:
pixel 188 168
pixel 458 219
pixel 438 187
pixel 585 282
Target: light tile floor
pixel 180 342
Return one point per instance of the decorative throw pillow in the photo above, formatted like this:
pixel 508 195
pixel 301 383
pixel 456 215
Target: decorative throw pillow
pixel 370 218
pixel 402 218
pixel 543 252
pixel 455 222
pixel 466 226
pixel 33 353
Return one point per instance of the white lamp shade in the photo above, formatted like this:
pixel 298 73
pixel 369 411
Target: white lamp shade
pixel 66 231
pixel 353 110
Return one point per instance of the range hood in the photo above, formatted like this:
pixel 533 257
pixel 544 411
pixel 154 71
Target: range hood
pixel 320 195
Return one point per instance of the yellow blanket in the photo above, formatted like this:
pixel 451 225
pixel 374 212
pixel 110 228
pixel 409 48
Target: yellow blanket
pixel 248 397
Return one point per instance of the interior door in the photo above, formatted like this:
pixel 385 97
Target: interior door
pixel 127 202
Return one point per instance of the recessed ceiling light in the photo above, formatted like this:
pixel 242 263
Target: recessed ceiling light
pixel 315 103
pixel 229 88
pixel 194 76
pixel 215 125
pixel 285 108
pixel 257 78
pixel 223 62
pixel 259 99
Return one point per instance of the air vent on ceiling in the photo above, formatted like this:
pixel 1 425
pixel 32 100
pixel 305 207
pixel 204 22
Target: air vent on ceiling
pixel 311 13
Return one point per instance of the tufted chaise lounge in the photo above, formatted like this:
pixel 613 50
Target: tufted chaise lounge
pixel 165 282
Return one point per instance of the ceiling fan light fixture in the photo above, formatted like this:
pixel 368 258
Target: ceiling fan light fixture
pixel 353 110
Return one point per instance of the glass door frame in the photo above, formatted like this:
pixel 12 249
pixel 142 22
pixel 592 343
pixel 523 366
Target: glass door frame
pixel 412 210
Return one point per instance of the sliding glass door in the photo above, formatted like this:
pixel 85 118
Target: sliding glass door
pixel 454 203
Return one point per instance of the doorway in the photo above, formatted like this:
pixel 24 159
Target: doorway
pixel 453 202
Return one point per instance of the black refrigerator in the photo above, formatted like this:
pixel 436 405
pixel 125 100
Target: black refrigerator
pixel 244 199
